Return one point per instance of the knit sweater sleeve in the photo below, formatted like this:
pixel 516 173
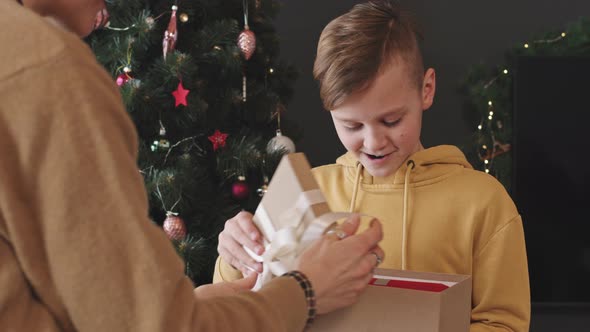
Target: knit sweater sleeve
pixel 501 300
pixel 103 264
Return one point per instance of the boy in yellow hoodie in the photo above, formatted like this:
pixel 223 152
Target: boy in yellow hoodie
pixel 438 213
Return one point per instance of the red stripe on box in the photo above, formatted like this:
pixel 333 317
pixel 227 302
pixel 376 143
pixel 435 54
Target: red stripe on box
pixel 416 285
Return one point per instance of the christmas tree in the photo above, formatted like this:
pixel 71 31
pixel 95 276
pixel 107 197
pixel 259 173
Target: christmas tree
pixel 203 82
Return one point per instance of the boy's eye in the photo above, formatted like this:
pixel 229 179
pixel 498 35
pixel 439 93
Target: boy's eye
pixel 352 127
pixel 391 123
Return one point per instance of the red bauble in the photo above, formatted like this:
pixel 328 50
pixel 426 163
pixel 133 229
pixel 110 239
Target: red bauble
pixel 247 43
pixel 123 79
pixel 174 227
pixel 240 189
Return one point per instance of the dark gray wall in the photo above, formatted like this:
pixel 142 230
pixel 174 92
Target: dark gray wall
pixel 457 35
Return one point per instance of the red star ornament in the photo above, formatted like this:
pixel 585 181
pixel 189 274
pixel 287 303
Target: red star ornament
pixel 180 95
pixel 218 139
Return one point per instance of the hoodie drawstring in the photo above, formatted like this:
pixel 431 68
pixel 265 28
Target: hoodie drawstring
pixel 405 212
pixel 355 190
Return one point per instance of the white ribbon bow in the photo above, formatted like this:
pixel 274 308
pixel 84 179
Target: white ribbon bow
pixel 290 235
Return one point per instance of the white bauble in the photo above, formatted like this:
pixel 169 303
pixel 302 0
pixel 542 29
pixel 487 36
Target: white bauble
pixel 280 142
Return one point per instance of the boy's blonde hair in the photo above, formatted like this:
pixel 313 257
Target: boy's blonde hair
pixel 355 46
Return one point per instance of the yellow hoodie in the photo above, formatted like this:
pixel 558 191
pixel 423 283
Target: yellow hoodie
pixel 440 215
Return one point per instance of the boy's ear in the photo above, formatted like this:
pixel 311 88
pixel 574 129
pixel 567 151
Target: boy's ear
pixel 428 88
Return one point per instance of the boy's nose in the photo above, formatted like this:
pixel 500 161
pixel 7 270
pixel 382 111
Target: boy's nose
pixel 375 142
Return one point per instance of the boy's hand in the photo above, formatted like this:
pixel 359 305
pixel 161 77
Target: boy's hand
pixel 240 231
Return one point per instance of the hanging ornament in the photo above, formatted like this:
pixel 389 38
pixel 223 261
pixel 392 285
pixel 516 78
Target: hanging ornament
pixel 171 34
pixel 240 189
pixel 183 17
pixel 246 39
pixel 264 188
pixel 218 139
pixel 124 77
pixel 161 144
pixel 280 143
pixel 174 226
pixel 180 95
pixel 102 19
pixel 247 42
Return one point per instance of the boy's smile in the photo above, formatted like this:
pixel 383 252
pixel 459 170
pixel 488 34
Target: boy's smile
pixel 381 124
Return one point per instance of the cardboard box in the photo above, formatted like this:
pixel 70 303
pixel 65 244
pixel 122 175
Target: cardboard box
pixel 405 301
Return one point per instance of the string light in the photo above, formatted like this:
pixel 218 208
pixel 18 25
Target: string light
pixel 271 70
pixel 486 155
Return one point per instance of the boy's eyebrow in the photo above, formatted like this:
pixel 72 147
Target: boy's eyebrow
pixel 395 110
pixel 392 111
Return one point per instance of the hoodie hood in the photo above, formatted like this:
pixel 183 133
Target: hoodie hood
pixel 428 165
pixel 422 168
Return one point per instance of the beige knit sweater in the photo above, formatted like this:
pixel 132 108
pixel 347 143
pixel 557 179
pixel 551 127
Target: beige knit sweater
pixel 77 250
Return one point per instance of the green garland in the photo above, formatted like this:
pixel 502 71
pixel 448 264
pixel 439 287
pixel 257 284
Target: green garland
pixel 489 98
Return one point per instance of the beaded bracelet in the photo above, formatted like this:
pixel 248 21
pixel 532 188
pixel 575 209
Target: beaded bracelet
pixel 309 294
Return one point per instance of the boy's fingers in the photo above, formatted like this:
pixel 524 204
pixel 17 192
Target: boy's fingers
pixel 250 235
pixel 238 251
pixel 245 239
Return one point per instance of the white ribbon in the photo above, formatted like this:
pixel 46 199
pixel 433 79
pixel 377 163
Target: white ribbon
pixel 290 235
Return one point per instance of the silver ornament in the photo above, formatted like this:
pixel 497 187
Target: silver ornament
pixel 280 143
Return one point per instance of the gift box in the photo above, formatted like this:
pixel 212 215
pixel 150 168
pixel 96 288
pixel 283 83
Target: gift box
pixel 292 214
pixel 405 301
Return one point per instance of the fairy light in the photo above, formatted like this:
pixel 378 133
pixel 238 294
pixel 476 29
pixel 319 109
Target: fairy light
pixel 488 159
pixel 271 70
